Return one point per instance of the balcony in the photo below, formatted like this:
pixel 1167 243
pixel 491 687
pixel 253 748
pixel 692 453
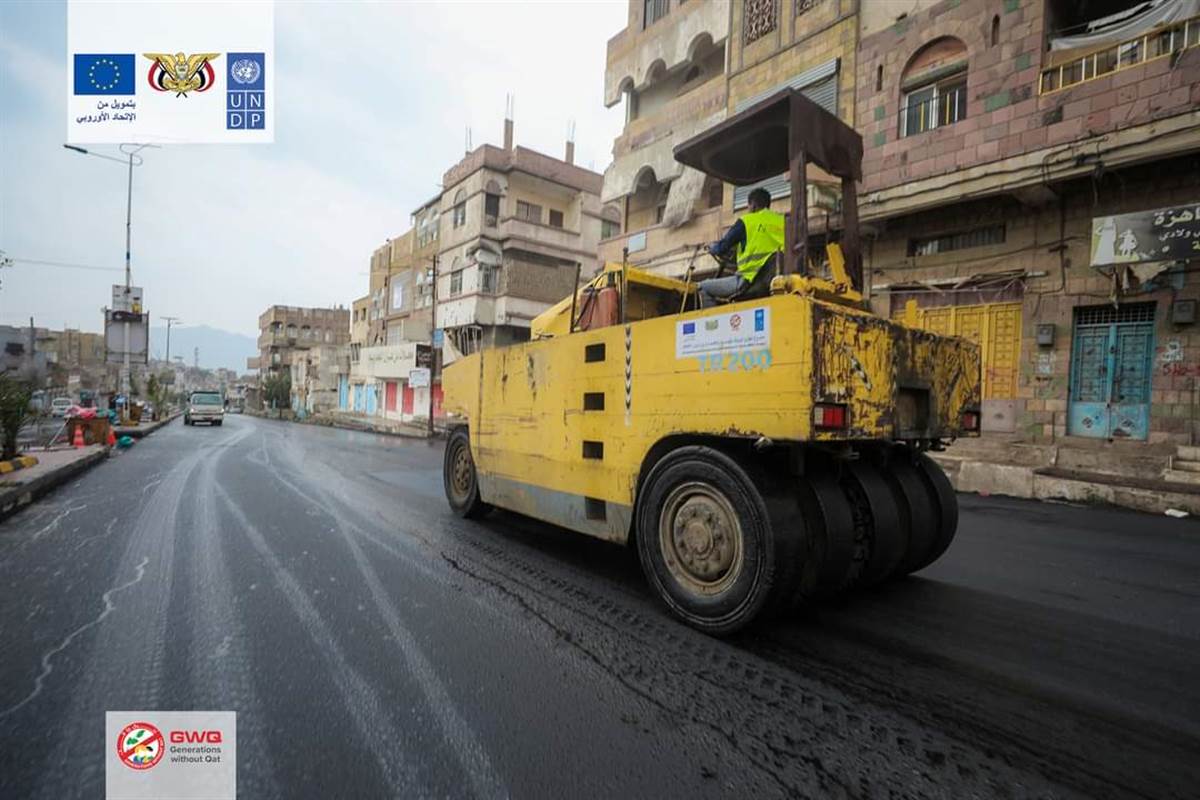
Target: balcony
pixel 558 238
pixel 681 112
pixel 1074 68
pixel 670 40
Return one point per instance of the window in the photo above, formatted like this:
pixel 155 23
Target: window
pixel 960 240
pixel 995 30
pixel 934 106
pixel 460 209
pixel 491 209
pixel 489 279
pixel 291 331
pixel 609 228
pixel 760 19
pixel 397 296
pixel 556 219
pixel 655 10
pixel 714 193
pixel 530 212
pixel 659 213
pixel 456 283
pixel 934 86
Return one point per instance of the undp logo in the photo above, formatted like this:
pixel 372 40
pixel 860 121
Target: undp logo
pixel 246 96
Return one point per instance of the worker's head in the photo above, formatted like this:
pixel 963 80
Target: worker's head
pixel 759 199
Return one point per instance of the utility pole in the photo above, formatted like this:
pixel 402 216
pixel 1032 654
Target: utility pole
pixel 433 358
pixel 169 320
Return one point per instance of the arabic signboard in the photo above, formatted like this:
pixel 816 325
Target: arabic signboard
pixel 1165 234
pixel 418 378
pixel 127 299
pixel 114 337
pixel 424 355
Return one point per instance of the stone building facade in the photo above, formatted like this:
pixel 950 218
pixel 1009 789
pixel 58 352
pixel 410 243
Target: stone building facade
pixel 995 152
pixel 517 228
pixel 685 70
pixel 286 330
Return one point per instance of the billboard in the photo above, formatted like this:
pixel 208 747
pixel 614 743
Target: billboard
pixel 1164 234
pixel 127 300
pixel 114 337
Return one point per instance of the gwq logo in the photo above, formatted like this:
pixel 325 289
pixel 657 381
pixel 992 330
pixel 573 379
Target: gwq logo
pixel 195 737
pixel 140 745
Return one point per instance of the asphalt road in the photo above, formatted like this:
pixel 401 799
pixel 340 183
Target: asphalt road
pixel 373 645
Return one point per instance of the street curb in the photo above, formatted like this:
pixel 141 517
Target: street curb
pixel 139 432
pixel 20 462
pixel 1046 483
pixel 14 499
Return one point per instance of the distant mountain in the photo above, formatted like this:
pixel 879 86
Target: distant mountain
pixel 217 348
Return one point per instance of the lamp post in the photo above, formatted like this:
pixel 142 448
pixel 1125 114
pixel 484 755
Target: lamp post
pixel 169 320
pixel 133 160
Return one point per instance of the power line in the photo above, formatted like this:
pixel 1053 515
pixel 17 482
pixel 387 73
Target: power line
pixel 64 264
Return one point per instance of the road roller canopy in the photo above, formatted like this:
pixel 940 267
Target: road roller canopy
pixel 782 135
pixel 754 145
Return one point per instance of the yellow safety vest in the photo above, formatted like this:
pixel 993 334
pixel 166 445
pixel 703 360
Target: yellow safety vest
pixel 764 238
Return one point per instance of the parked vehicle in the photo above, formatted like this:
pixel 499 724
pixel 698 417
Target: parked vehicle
pixel 204 407
pixel 60 405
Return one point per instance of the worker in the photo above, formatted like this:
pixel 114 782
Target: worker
pixel 758 236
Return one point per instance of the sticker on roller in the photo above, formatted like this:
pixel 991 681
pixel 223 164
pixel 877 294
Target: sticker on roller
pixel 744 329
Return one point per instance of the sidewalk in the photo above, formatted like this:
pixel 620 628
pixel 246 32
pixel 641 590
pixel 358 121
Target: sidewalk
pixel 362 422
pixel 54 468
pixel 1151 478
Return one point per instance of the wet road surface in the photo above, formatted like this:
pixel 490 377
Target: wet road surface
pixel 374 645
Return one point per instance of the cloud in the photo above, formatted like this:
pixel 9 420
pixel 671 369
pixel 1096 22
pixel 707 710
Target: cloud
pixel 372 101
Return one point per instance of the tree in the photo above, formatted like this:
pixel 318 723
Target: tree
pixel 277 390
pixel 15 395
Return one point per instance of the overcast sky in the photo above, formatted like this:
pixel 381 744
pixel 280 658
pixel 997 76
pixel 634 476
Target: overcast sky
pixel 373 104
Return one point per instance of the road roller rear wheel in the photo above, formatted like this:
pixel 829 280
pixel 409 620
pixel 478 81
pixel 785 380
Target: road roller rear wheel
pixel 945 508
pixel 918 506
pixel 829 524
pixel 877 520
pixel 706 540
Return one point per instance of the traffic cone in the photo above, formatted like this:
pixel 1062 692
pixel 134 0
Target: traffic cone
pixel 112 437
pixel 78 436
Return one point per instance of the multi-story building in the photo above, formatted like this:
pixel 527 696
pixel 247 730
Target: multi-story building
pixel 286 330
pixel 406 310
pixel 316 378
pixel 517 229
pixel 1030 177
pixel 679 68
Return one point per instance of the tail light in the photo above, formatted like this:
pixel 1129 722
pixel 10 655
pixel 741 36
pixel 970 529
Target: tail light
pixel 829 416
pixel 970 421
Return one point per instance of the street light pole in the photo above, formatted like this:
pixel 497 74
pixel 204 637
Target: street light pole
pixel 169 320
pixel 133 160
pixel 432 339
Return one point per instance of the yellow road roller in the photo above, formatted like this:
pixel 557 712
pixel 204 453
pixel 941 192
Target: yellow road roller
pixel 756 453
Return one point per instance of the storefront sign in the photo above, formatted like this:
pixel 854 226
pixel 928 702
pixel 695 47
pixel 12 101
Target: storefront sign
pixel 418 378
pixel 1165 234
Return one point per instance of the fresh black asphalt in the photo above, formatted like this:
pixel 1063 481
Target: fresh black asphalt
pixel 374 645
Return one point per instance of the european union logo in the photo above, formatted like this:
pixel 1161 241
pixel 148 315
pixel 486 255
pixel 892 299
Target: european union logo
pixel 689 328
pixel 104 73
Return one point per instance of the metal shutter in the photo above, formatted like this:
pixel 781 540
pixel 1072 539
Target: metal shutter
pixel 819 84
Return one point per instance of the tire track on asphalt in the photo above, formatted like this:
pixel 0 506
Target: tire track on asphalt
pixel 363 703
pixel 218 657
pixel 125 664
pixel 471 755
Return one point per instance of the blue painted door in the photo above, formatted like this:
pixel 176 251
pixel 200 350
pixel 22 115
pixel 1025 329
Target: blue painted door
pixel 371 399
pixel 1111 360
pixel 343 393
pixel 358 397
